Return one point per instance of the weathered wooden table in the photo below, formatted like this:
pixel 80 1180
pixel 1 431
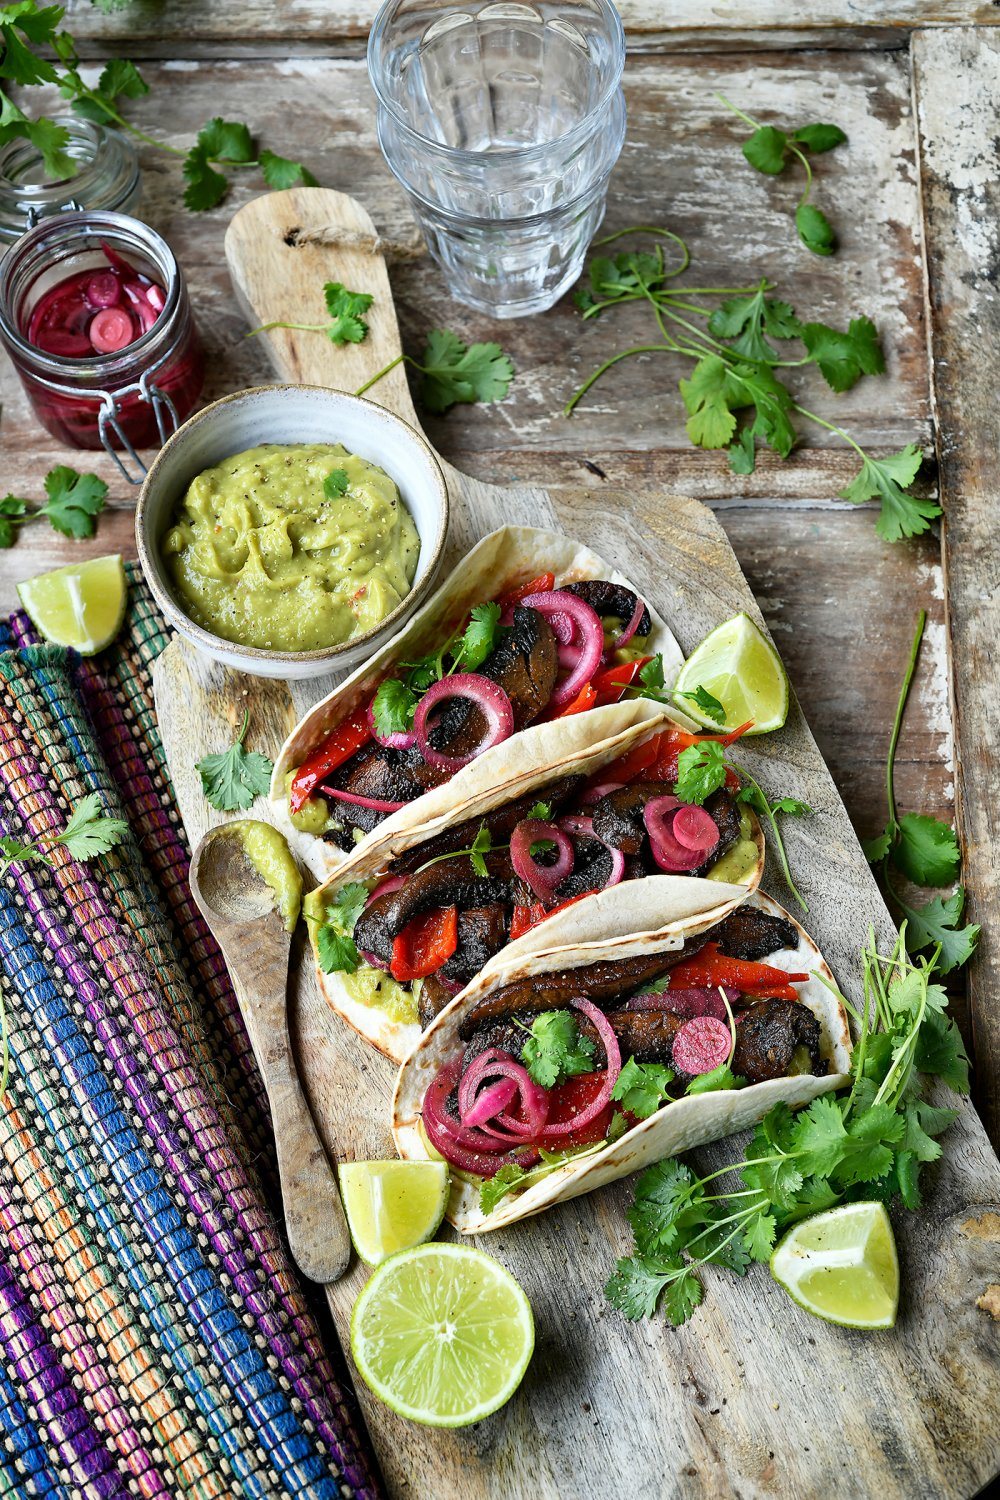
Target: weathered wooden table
pixel 913 198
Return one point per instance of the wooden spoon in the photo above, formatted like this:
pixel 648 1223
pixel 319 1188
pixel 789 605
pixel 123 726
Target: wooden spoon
pixel 239 910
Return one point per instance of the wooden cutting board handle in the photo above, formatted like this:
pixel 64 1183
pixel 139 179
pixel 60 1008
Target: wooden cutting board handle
pixel 281 249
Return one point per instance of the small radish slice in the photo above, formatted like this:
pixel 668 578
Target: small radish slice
pixel 104 289
pixel 701 1045
pixel 111 329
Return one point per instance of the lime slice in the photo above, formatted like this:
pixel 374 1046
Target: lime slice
pixel 442 1334
pixel 737 665
pixel 392 1205
pixel 81 606
pixel 842 1266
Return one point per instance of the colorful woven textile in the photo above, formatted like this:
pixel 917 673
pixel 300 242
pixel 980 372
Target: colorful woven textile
pixel 154 1337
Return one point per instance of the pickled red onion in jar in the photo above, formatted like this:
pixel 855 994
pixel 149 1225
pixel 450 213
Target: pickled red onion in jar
pixel 96 311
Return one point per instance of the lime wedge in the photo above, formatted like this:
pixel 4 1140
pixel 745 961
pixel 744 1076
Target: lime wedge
pixel 740 668
pixel 842 1266
pixel 80 606
pixel 442 1334
pixel 392 1205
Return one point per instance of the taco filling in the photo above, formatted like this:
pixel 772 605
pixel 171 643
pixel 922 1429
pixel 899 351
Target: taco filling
pixel 446 906
pixel 557 1063
pixel 534 654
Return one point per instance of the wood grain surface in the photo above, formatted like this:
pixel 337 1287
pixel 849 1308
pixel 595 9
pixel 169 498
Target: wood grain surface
pixel 749 1398
pixel 158 27
pixel 957 84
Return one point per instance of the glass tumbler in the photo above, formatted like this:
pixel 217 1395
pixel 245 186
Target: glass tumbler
pixel 502 121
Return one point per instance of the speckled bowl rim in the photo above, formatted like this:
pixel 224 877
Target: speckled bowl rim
pixel 215 644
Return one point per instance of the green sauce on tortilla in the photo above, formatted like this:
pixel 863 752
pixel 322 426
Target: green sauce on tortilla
pixel 739 861
pixel 373 987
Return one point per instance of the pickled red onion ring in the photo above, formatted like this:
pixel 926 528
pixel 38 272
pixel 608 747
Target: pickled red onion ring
pixel 377 804
pixel 612 1050
pixel 542 879
pixel 489 698
pixel 581 653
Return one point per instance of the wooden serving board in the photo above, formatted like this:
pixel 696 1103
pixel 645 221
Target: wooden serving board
pixel 752 1397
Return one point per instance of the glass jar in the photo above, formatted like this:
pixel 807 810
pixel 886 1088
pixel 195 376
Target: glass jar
pixel 106 177
pixel 132 398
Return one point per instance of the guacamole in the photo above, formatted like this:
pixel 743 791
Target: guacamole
pixel 261 554
pixel 739 861
pixel 271 857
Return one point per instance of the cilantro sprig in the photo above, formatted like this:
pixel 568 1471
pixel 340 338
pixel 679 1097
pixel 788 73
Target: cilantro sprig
pixel 73 503
pixel 556 1049
pixel 872 1142
pixel 454 373
pixel 346 323
pixel 741 341
pixel 34 51
pixel 335 937
pixel 925 851
pixel 233 779
pixel 88 833
pixel 770 150
pixel 701 770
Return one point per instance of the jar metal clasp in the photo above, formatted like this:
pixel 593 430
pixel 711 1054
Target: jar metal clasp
pixel 164 411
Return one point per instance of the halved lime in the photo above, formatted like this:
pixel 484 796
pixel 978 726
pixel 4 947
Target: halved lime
pixel 82 605
pixel 739 667
pixel 842 1266
pixel 442 1334
pixel 392 1205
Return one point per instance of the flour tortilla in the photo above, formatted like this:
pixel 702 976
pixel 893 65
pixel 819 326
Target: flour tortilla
pixel 505 558
pixel 618 729
pixel 691 1120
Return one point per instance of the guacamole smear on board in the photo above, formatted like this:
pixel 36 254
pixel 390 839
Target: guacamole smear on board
pixel 266 552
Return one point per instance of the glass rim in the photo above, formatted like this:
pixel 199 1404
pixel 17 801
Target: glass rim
pixel 118 361
pixel 376 76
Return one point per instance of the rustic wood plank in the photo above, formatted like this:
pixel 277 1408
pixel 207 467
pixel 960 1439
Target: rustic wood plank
pixel 682 160
pixel 741 1401
pixel 957 77
pixel 182 27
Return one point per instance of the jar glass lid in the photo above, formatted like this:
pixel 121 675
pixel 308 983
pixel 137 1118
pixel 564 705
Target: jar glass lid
pixel 107 177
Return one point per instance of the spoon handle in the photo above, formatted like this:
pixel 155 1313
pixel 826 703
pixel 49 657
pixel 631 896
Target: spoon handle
pixel 314 1216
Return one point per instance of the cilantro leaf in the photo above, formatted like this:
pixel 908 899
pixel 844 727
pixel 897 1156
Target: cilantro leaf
pixel 455 374
pixel 940 1051
pixel 346 309
pixel 792 806
pixel 927 850
pixel 74 501
pixel 844 357
pixel 721 1077
pixel 743 452
pixel 481 844
pixel 121 79
pixel 480 635
pixel 704 700
pixel 205 186
pixel 542 811
pixel 12 510
pixel 555 1049
pixel 819 137
pixel 226 140
pixel 635 1287
pixel 335 484
pixel 683 1295
pixel 666 1194
pixel 889 479
pixel 759 1236
pixel 280 173
pixel 89 831
pixel 13 851
pixel 746 319
pixel 393 707
pixel 350 902
pixel 815 229
pixel 233 779
pixel 336 951
pixel 651 683
pixel 641 1088
pixel 877 848
pixel 709 396
pixel 493 1189
pixel 820 1137
pixel 924 1121
pixel 701 770
pixel 765 150
pixel 936 922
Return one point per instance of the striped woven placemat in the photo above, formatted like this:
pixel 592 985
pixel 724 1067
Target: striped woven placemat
pixel 154 1337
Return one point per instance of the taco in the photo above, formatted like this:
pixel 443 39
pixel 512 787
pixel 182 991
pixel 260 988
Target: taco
pixel 417 913
pixel 531 630
pixel 558 1071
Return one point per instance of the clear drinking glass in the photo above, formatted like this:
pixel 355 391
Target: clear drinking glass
pixel 502 121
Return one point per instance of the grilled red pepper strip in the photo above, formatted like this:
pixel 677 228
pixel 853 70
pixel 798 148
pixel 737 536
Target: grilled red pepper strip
pixel 710 967
pixel 425 944
pixel 526 917
pixel 656 759
pixel 610 685
pixel 543 584
pixel 335 749
pixel 585 698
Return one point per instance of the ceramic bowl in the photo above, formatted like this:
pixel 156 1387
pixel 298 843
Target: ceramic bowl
pixel 292 414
